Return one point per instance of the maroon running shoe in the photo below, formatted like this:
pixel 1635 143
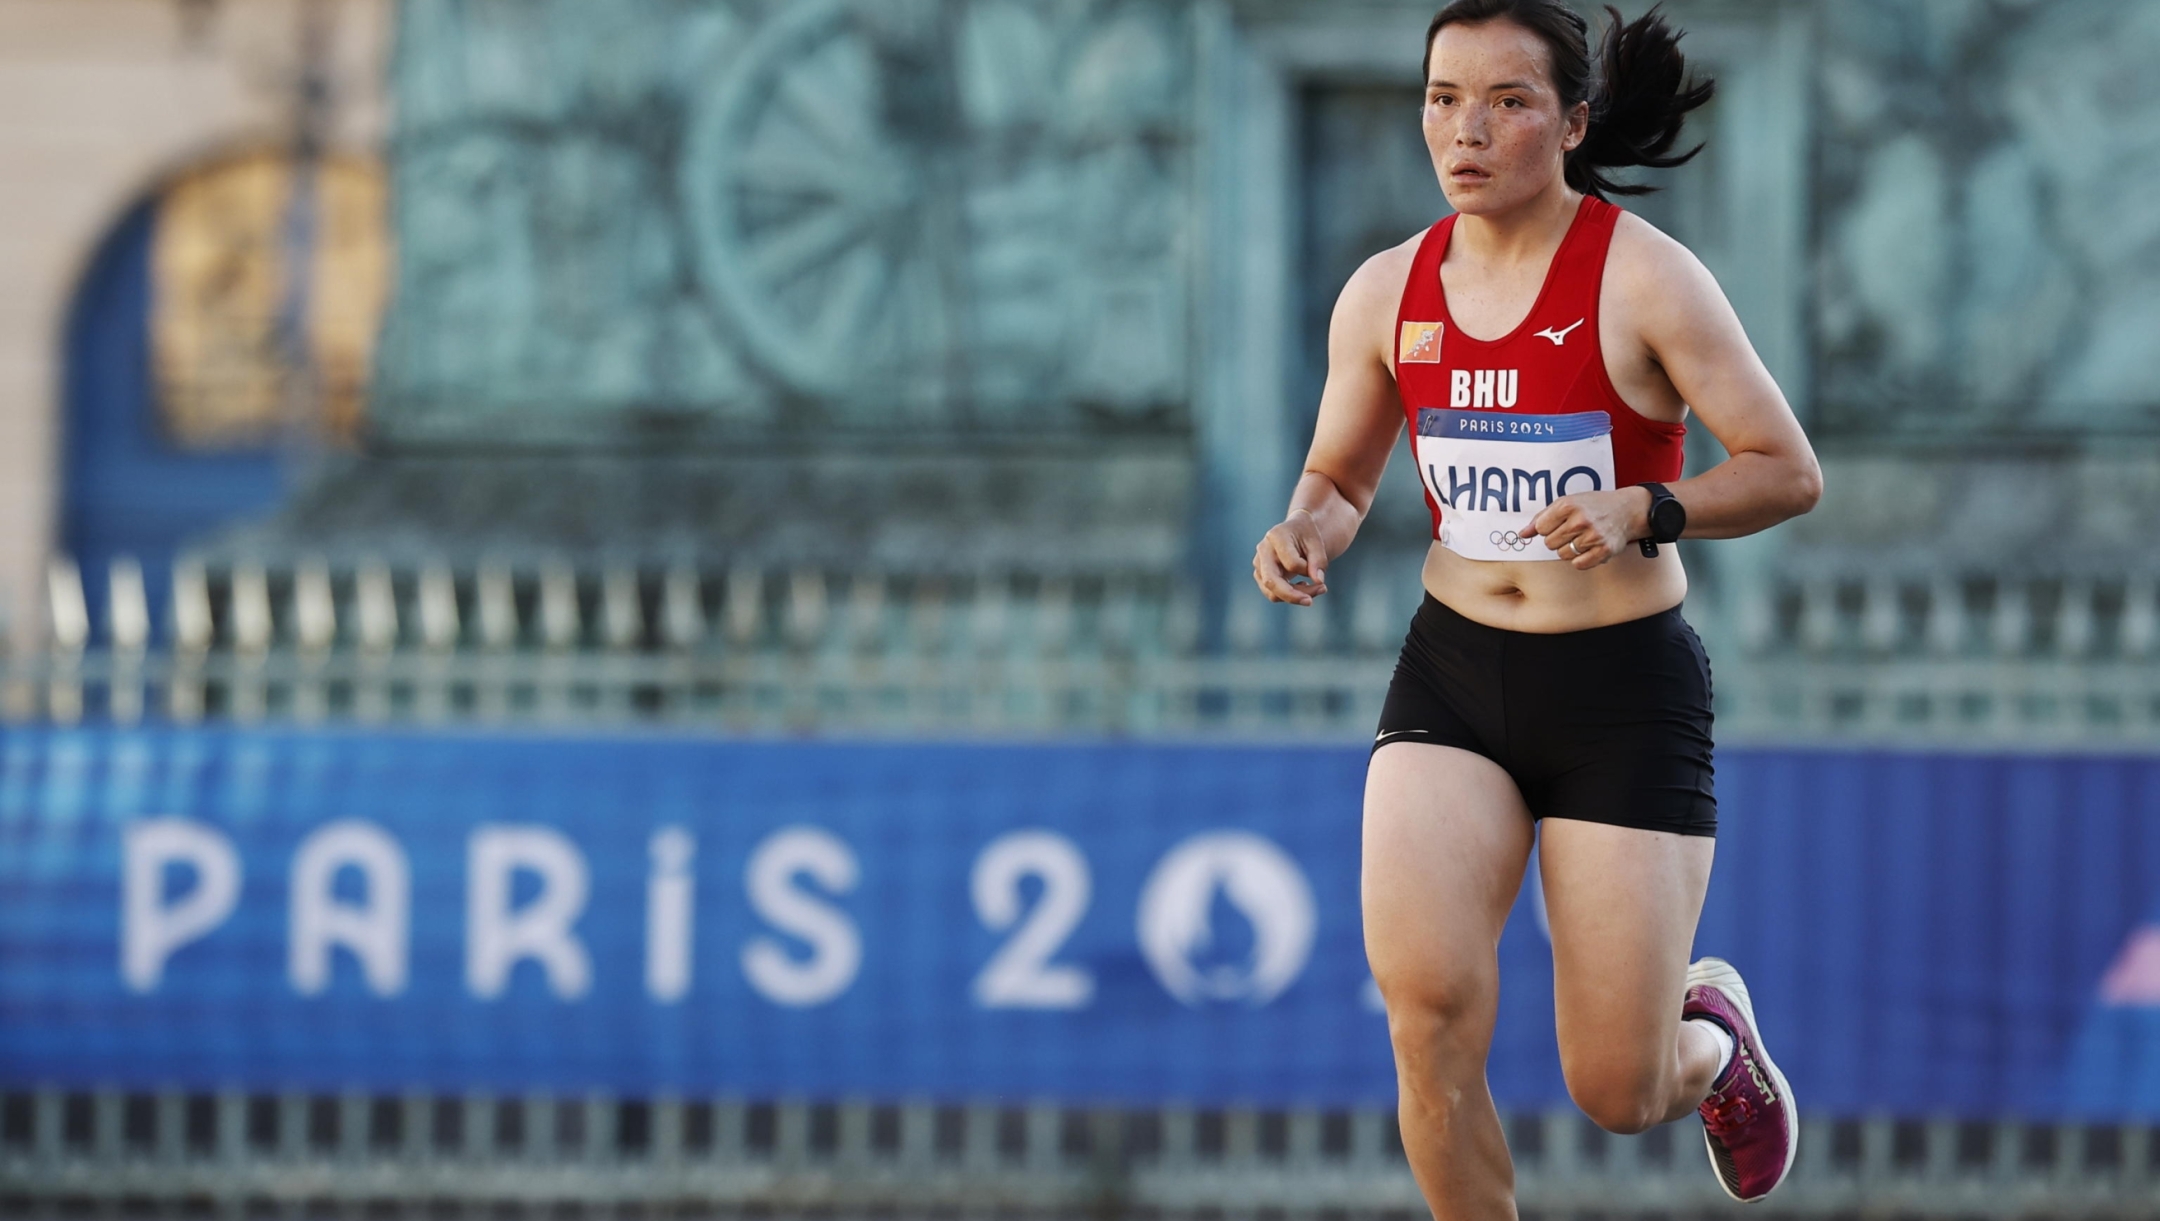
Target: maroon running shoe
pixel 1749 1122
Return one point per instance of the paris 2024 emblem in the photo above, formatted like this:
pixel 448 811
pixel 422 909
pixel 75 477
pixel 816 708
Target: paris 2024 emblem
pixel 1177 927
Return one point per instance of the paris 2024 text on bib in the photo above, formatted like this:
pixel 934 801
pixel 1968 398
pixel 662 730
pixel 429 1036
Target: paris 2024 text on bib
pixel 1492 471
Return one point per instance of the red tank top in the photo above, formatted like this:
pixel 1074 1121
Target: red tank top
pixel 1485 455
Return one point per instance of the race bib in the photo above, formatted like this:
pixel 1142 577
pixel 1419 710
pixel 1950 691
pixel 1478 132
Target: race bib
pixel 1492 471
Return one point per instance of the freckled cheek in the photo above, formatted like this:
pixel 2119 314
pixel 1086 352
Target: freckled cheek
pixel 1536 129
pixel 1526 136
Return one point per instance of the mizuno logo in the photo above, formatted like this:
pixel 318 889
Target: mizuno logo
pixel 1559 337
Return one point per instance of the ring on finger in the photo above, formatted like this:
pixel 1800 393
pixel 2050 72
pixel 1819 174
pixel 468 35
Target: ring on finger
pixel 1573 550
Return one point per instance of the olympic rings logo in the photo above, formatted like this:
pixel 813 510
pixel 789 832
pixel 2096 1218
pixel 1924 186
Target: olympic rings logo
pixel 1509 540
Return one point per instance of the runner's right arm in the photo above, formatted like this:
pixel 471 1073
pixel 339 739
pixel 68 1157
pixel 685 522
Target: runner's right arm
pixel 1360 418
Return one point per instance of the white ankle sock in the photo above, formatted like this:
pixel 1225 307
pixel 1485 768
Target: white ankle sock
pixel 1724 1042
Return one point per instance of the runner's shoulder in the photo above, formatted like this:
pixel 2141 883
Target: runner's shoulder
pixel 1651 276
pixel 1373 293
pixel 1384 275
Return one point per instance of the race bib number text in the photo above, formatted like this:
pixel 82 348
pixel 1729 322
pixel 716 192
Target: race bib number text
pixel 1491 472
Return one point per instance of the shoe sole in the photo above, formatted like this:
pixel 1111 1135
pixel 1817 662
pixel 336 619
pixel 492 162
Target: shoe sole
pixel 1718 973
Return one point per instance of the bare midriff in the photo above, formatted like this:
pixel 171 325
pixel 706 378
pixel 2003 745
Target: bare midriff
pixel 1551 596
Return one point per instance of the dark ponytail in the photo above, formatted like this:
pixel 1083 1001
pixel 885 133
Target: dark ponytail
pixel 1637 84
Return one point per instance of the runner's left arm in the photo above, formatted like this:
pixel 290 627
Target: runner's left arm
pixel 1689 332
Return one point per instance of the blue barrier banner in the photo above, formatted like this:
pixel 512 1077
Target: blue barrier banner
pixel 1096 923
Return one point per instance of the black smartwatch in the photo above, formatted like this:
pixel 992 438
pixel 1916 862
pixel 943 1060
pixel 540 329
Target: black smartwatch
pixel 1668 518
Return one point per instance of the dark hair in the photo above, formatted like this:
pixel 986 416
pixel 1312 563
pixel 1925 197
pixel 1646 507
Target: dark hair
pixel 1637 84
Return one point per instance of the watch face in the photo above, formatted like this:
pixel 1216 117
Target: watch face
pixel 1667 519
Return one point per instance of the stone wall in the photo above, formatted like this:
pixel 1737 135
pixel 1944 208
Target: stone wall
pixel 1986 301
pixel 1989 251
pixel 912 282
pixel 727 223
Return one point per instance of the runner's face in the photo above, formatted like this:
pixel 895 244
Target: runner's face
pixel 1493 120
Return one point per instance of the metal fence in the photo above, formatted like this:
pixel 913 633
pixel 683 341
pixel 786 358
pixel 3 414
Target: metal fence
pixel 1802 654
pixel 370 1154
pixel 743 649
pixel 1953 655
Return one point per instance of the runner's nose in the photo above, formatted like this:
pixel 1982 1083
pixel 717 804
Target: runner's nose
pixel 1470 127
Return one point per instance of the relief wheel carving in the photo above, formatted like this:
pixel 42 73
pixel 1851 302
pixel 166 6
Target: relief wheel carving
pixel 812 213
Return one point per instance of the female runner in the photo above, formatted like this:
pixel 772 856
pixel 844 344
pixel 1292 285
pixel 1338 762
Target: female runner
pixel 1545 348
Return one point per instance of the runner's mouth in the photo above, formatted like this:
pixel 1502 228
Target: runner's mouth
pixel 1468 173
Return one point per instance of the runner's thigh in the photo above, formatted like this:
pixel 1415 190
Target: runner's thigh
pixel 1622 904
pixel 1446 841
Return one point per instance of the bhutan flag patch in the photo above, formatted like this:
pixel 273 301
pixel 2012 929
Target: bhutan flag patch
pixel 1419 345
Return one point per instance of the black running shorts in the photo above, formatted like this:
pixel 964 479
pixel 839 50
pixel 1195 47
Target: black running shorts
pixel 1609 725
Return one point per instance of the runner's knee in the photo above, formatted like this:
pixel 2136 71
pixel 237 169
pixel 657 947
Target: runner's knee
pixel 1620 1094
pixel 1438 1014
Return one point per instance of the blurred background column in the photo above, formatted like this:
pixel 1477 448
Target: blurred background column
pixel 104 98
